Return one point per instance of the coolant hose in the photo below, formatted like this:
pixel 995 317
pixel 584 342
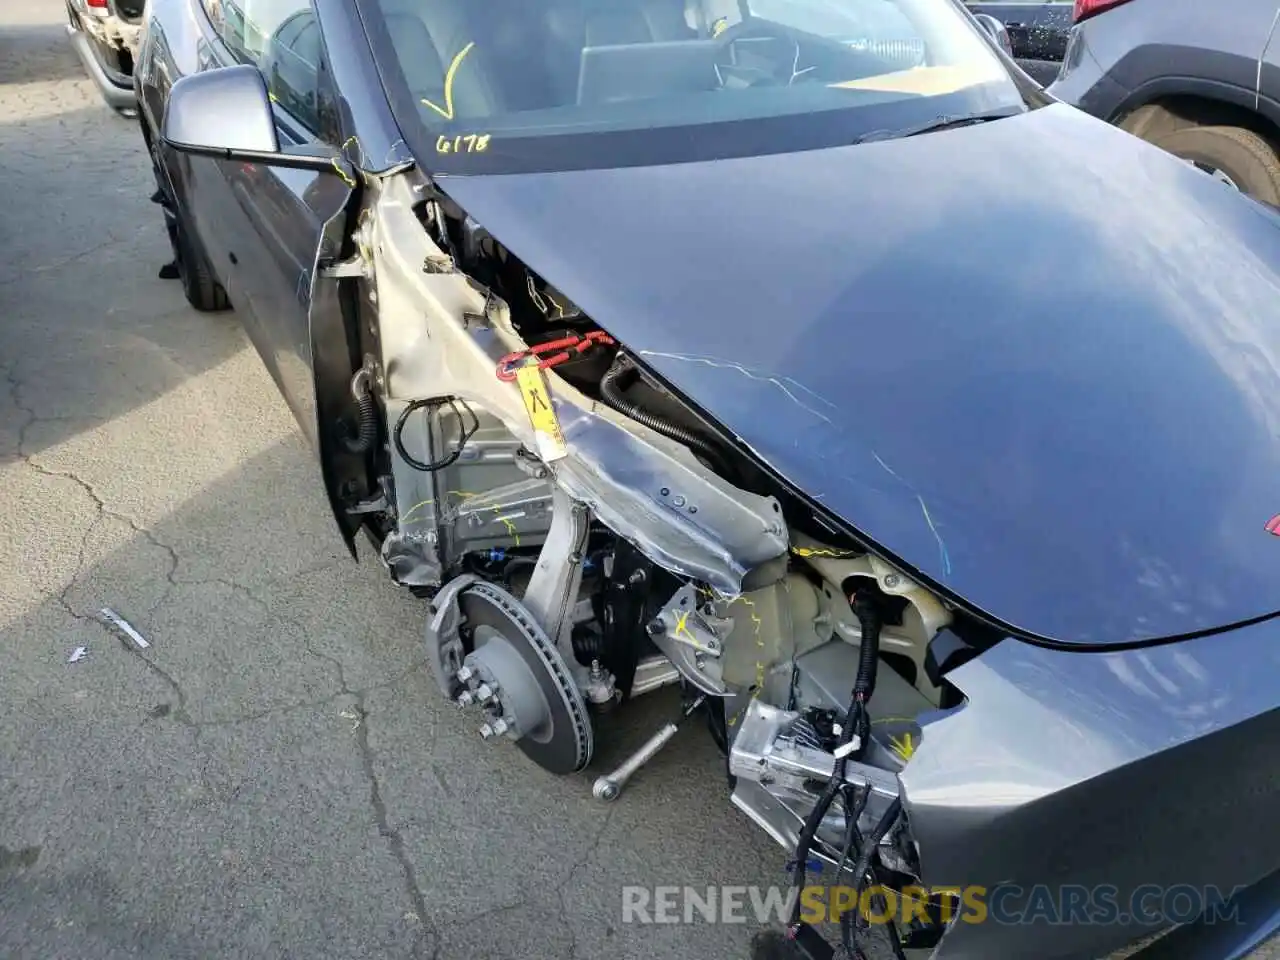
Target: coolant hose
pixel 366 414
pixel 611 390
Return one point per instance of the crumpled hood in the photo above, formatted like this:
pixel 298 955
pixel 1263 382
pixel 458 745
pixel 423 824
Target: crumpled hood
pixel 1034 360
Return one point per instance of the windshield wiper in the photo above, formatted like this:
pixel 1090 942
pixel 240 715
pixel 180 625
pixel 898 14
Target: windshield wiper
pixel 939 123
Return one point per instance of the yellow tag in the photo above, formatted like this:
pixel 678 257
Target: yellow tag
pixel 542 415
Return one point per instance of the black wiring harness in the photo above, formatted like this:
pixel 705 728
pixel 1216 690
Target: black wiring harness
pixel 468 431
pixel 857 723
pixel 853 924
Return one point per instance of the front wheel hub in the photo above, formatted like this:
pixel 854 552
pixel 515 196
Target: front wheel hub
pixel 517 677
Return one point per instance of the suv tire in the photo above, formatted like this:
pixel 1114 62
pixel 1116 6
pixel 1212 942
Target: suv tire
pixel 1248 160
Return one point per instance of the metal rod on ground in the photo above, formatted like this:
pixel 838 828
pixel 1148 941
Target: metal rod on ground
pixel 107 615
pixel 608 788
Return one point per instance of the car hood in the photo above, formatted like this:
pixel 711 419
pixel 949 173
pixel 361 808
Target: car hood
pixel 1034 361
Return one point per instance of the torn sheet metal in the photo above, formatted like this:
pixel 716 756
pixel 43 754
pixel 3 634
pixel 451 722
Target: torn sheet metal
pixel 109 616
pixel 640 484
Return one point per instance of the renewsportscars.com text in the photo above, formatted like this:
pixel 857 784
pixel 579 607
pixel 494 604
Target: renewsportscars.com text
pixel 1066 905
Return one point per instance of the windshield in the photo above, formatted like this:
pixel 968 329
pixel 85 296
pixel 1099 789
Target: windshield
pixel 490 86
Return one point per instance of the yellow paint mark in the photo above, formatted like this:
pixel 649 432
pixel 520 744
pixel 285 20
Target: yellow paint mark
pixel 497 512
pixel 757 623
pixel 414 509
pixel 823 552
pixel 682 624
pixel 346 177
pixel 755 617
pixel 337 163
pixel 468 496
pixel 720 26
pixel 463 143
pixel 904 746
pixel 507 522
pixel 547 435
pixel 447 110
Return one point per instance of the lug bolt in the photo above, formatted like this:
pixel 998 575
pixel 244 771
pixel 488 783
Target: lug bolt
pixel 465 673
pixel 484 693
pixel 499 727
pixel 465 699
pixel 487 732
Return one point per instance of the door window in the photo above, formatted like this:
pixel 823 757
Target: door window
pixel 282 39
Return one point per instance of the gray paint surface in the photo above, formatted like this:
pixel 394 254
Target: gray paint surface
pixel 1142 49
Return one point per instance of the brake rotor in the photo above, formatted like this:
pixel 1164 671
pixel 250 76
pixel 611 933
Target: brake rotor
pixel 535 693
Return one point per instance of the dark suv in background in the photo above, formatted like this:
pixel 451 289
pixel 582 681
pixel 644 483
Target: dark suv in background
pixel 1200 78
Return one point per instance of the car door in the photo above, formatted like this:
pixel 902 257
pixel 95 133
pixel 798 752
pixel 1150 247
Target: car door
pixel 275 219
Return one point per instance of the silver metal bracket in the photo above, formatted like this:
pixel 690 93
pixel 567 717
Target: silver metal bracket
pixel 692 640
pixel 552 593
pixel 775 768
pixel 445 653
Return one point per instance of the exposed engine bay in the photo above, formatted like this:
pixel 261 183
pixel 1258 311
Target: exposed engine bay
pixel 584 538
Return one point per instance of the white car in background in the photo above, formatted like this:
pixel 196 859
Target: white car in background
pixel 106 35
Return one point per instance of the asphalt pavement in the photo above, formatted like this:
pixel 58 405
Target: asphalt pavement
pixel 276 775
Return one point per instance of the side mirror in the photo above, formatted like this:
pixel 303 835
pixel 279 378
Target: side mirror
pixel 226 113
pixel 999 33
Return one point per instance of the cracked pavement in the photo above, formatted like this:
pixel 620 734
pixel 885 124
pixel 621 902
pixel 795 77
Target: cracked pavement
pixel 276 775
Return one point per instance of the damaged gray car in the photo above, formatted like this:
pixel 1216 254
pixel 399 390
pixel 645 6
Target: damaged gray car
pixel 664 342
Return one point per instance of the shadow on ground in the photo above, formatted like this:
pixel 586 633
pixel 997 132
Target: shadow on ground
pixel 37 53
pixel 277 775
pixel 90 332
